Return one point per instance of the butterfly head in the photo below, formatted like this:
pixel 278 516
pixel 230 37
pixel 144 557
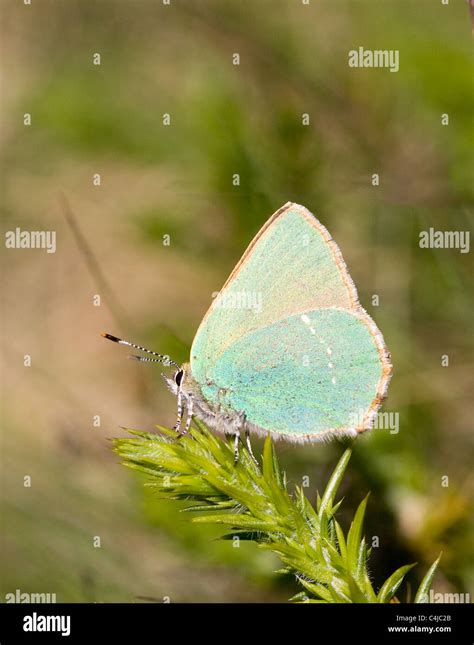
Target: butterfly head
pixel 177 381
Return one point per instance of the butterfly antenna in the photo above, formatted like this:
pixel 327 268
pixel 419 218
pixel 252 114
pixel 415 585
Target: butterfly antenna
pixel 166 360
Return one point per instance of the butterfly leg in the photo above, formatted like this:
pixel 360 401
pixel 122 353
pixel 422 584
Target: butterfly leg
pixel 243 426
pixel 249 445
pixel 236 447
pixel 180 412
pixel 189 417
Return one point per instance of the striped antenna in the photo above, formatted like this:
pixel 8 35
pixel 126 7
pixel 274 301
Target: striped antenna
pixel 166 360
pixel 145 359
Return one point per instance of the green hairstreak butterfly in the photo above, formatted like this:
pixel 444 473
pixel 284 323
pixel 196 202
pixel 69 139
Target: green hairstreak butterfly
pixel 285 348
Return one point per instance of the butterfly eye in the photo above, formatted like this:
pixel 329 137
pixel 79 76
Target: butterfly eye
pixel 178 377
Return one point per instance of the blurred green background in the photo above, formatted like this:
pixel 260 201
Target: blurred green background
pixel 177 180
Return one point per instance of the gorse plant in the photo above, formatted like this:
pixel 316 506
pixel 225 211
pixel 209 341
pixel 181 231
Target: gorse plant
pixel 255 504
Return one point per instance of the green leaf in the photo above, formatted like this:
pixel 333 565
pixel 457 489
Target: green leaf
pixel 334 482
pixel 341 540
pixel 237 521
pixel 268 461
pixel 357 594
pixel 422 595
pixel 354 537
pixel 391 584
pixel 315 589
pixel 332 511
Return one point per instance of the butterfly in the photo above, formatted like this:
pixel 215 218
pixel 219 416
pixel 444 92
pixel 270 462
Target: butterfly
pixel 285 348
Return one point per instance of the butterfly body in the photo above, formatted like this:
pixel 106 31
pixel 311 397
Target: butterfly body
pixel 218 417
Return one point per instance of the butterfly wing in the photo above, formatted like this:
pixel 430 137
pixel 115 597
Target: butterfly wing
pixel 292 267
pixel 306 376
